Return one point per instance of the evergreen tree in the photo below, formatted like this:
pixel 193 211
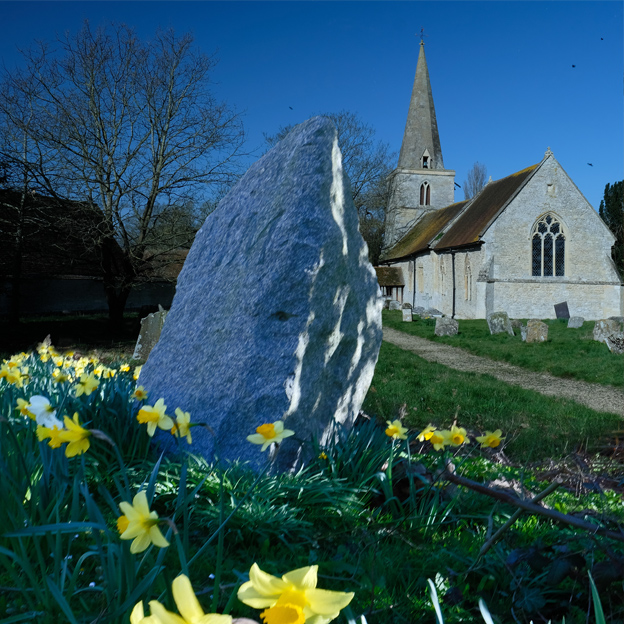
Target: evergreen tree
pixel 612 213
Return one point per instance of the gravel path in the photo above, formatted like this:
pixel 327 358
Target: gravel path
pixel 597 397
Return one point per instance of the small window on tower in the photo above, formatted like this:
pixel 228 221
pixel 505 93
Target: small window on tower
pixel 425 162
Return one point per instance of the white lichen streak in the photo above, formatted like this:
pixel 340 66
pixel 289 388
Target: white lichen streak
pixel 337 194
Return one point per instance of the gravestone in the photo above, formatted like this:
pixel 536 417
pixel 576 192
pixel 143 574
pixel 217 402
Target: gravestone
pixel 523 332
pixel 561 310
pixel 536 331
pixel 394 305
pixel 575 322
pixel 446 327
pixel 615 342
pixel 151 328
pixel 304 346
pixel 418 310
pixel 604 328
pixel 516 324
pixel 499 323
pixel 433 312
pixel 407 315
pixel 406 306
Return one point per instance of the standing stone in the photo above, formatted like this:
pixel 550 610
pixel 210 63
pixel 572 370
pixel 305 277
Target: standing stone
pixel 523 332
pixel 604 328
pixel 499 323
pixel 446 327
pixel 407 315
pixel 303 349
pixel 394 305
pixel 151 327
pixel 537 331
pixel 575 322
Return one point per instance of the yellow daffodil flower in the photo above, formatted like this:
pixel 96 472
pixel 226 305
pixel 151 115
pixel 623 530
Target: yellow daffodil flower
pixel 43 433
pixel 140 394
pixel 124 368
pixel 457 436
pixel 137 372
pixel 59 376
pixel 86 385
pixel 13 375
pixel 76 436
pixel 293 598
pixel 24 408
pixel 426 433
pixel 155 416
pixel 142 524
pixel 188 606
pixel 490 439
pixel 395 430
pixel 438 439
pixel 138 616
pixel 270 433
pixel 182 426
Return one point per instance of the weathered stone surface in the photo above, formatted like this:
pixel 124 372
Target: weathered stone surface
pixel 604 328
pixel 562 311
pixel 432 312
pixel 515 323
pixel 499 323
pixel 419 310
pixel 446 327
pixel 304 347
pixel 523 332
pixel 386 304
pixel 537 331
pixel 406 306
pixel 575 322
pixel 407 315
pixel 394 305
pixel 615 342
pixel 151 327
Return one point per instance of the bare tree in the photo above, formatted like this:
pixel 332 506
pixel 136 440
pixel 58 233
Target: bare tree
pixel 476 180
pixel 130 128
pixel 367 162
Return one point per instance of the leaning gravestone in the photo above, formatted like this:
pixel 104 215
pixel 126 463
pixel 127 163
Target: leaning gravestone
pixel 446 327
pixel 562 311
pixel 499 323
pixel 615 342
pixel 433 312
pixel 394 305
pixel 407 315
pixel 604 328
pixel 418 311
pixel 304 346
pixel 151 328
pixel 536 331
pixel 575 322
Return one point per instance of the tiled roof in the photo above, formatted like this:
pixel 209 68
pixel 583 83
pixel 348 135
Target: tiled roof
pixel 483 209
pixel 423 233
pixel 390 276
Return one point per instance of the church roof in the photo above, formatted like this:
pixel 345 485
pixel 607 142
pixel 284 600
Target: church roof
pixel 423 233
pixel 483 209
pixel 390 276
pixel 421 128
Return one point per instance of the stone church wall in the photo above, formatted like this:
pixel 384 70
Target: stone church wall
pixel 590 283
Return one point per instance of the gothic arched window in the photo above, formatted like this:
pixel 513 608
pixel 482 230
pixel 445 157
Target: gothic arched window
pixel 547 248
pixel 425 194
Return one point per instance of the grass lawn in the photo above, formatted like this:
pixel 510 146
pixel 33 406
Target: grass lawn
pixel 570 353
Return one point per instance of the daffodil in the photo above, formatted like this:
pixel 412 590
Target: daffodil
pixel 43 433
pixel 24 408
pixel 124 368
pixel 491 439
pixel 182 426
pixel 140 394
pixel 292 598
pixel 44 413
pixel 137 372
pixel 438 439
pixel 395 430
pixel 142 524
pixel 76 436
pixel 426 433
pixel 457 436
pixel 138 616
pixel 270 433
pixel 86 385
pixel 13 375
pixel 59 376
pixel 155 416
pixel 188 606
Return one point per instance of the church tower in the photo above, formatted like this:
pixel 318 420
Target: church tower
pixel 420 183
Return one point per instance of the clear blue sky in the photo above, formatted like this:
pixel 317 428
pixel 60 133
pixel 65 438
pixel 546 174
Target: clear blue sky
pixel 502 72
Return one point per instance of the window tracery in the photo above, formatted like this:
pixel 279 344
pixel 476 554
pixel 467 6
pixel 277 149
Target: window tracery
pixel 548 248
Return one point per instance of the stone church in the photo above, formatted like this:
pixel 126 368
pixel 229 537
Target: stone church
pixel 523 244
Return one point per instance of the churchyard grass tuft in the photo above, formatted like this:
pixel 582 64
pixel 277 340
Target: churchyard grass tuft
pixel 570 353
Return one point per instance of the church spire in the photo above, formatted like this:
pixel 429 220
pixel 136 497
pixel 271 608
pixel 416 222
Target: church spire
pixel 421 143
